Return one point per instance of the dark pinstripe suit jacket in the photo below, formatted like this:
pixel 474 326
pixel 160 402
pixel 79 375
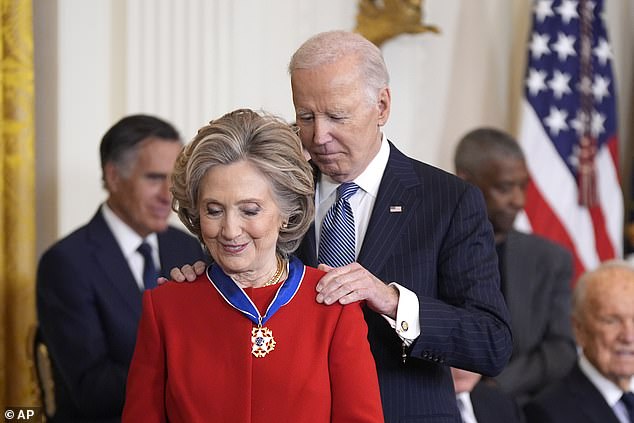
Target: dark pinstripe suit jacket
pixel 537 290
pixel 573 399
pixel 441 247
pixel 89 306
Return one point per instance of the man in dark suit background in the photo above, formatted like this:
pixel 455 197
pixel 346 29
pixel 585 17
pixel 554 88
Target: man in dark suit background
pixel 535 273
pixel 599 388
pixel 425 262
pixel 480 402
pixel 89 284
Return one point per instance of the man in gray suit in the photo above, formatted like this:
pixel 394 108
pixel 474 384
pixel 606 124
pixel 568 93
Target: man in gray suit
pixel 535 273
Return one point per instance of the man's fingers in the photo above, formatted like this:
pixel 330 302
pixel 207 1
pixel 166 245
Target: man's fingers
pixel 325 267
pixel 188 272
pixel 177 275
pixel 185 273
pixel 335 291
pixel 199 267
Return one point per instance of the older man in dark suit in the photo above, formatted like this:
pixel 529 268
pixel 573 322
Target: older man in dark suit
pixel 600 387
pixel 535 272
pixel 419 250
pixel 89 284
pixel 424 260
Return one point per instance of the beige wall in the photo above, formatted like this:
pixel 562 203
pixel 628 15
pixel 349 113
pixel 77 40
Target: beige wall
pixel 191 61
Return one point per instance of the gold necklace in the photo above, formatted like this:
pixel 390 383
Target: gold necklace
pixel 277 277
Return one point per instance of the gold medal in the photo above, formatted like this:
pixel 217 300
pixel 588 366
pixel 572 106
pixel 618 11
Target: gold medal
pixel 262 341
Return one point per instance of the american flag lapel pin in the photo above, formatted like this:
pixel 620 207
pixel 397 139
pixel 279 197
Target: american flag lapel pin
pixel 396 209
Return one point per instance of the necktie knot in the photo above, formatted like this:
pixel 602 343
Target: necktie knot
pixel 149 271
pixel 346 190
pixel 145 250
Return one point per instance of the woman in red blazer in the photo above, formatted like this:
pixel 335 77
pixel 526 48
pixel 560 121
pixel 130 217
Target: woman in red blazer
pixel 247 342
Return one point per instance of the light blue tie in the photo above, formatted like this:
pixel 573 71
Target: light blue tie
pixel 337 240
pixel 149 271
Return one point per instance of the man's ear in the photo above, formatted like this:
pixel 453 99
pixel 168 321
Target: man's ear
pixel 385 104
pixel 112 177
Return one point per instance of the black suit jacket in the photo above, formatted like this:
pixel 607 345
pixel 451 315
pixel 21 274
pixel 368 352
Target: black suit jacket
pixel 89 305
pixel 490 405
pixel 573 399
pixel 440 246
pixel 536 283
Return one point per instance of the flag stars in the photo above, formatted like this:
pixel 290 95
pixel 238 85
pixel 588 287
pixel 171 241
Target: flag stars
pixel 564 46
pixel 556 121
pixel 536 81
pixel 539 45
pixel 603 51
pixel 582 124
pixel 543 9
pixel 560 84
pixel 600 88
pixel 567 10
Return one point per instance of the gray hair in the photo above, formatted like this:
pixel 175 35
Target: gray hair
pixel 581 288
pixel 478 146
pixel 271 146
pixel 328 47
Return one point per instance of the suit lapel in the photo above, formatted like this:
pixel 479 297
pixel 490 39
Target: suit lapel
pixel 395 204
pixel 113 264
pixel 589 399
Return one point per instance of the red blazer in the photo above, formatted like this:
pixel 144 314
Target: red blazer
pixel 193 361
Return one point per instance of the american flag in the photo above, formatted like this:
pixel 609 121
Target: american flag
pixel 569 133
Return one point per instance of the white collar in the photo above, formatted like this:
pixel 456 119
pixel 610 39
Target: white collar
pixel 610 391
pixel 126 237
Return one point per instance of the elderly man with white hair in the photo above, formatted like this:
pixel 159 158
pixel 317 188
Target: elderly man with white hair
pixel 600 387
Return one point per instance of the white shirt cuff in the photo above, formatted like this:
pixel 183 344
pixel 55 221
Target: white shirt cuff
pixel 407 324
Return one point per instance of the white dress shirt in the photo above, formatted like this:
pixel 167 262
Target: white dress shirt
pixel 610 391
pixel 362 203
pixel 129 241
pixel 466 407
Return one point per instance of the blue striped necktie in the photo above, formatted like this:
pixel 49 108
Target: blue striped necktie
pixel 337 240
pixel 149 271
